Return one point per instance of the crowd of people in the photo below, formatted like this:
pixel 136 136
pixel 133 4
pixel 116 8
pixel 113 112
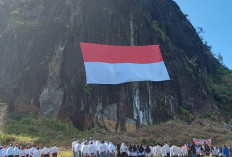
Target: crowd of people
pixel 95 148
pixel 35 151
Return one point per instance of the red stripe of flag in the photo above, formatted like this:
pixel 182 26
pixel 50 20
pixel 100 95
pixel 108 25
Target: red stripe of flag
pixel 121 54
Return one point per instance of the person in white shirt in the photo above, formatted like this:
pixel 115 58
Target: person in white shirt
pixel 55 151
pixel 77 149
pixel 102 149
pixel 50 150
pixel 167 147
pixel 157 150
pixel 27 151
pixel 1 152
pixel 92 149
pixel 4 149
pixel 37 153
pixel 46 151
pixel 97 144
pixel 10 151
pixel 152 150
pixel 111 150
pixel 106 143
pixel 214 151
pixel 16 151
pixel 147 151
pixel 85 150
pixel 174 151
pixel 21 152
pixel 123 150
pixel 198 150
pixel 73 145
pixel 83 142
pixel 164 151
pixel 184 151
pixel 180 154
pixel 32 149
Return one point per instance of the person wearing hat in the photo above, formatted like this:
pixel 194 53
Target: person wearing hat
pixel 73 145
pixel 55 151
pixel 10 151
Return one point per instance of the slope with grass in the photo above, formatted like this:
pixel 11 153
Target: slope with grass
pixel 31 130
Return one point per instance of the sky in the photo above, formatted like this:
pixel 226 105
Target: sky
pixel 215 17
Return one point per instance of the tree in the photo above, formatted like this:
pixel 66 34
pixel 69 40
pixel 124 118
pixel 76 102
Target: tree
pixel 220 58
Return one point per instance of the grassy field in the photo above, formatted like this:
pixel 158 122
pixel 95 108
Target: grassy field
pixel 65 153
pixel 31 129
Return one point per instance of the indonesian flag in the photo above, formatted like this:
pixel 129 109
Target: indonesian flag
pixel 106 64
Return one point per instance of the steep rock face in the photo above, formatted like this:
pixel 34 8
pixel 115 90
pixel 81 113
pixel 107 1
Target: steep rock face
pixel 44 69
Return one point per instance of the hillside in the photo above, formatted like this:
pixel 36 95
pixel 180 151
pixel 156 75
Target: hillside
pixel 40 130
pixel 42 71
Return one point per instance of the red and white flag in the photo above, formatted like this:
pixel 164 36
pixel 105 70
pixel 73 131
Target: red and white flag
pixel 107 64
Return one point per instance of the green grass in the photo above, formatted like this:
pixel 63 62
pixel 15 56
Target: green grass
pixel 32 129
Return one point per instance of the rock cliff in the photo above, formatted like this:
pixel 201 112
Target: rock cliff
pixel 42 71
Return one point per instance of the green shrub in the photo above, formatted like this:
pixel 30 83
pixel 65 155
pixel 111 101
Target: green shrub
pixel 219 86
pixel 87 90
pixel 158 30
pixel 40 128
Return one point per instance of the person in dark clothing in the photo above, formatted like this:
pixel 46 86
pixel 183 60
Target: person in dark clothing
pixel 206 149
pixel 130 150
pixel 220 151
pixel 147 151
pixel 141 151
pixel 193 149
pixel 135 153
pixel 118 150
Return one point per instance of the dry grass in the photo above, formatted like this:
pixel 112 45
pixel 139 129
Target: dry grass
pixel 65 153
pixel 174 131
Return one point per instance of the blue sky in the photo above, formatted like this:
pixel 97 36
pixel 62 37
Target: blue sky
pixel 215 17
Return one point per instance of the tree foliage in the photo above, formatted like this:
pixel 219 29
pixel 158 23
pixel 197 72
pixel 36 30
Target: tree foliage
pixel 220 87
